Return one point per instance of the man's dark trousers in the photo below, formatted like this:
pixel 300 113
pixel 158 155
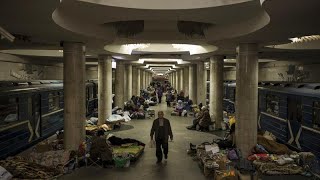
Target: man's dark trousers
pixel 161 143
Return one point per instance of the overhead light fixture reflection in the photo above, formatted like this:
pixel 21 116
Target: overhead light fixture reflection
pixel 229 60
pixel 114 65
pixel 193 49
pixel 305 38
pixel 132 47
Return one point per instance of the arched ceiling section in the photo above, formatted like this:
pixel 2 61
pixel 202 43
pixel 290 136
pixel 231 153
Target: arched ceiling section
pixel 164 4
pixel 231 18
pixel 191 49
pixel 288 19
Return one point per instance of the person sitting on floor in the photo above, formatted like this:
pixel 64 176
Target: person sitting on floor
pixel 229 139
pixel 179 107
pixel 180 96
pixel 197 119
pixel 101 150
pixel 205 121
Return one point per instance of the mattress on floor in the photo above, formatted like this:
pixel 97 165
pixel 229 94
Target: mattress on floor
pixel 133 150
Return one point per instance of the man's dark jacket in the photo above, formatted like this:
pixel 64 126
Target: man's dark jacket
pixel 167 129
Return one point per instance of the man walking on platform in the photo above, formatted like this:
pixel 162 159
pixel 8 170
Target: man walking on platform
pixel 161 129
pixel 160 93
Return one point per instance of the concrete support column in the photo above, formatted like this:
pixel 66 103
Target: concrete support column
pixel 119 85
pixel 104 88
pixel 192 83
pixel 186 81
pixel 144 79
pixel 181 80
pixel 173 80
pixel 148 79
pixel 177 80
pixel 74 73
pixel 142 74
pixel 201 83
pixel 125 84
pixel 216 90
pixel 246 97
pixel 138 81
pixel 129 81
pixel 134 81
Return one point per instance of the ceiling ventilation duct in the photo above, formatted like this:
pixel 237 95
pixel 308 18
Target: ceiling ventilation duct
pixel 127 28
pixel 190 28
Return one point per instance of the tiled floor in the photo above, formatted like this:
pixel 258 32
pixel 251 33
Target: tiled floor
pixel 178 166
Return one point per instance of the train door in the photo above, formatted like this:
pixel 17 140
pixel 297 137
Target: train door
pixel 294 120
pixel 34 112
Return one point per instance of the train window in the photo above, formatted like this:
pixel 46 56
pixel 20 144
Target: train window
pixel 232 94
pixel 294 109
pixel 272 104
pixel 54 101
pixel 91 92
pixel 316 114
pixel 8 109
pixel 95 91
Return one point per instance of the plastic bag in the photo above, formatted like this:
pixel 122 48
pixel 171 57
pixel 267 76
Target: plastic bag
pixel 4 174
pixel 184 113
pixel 152 144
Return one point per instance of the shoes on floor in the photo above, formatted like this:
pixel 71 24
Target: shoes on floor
pixel 159 161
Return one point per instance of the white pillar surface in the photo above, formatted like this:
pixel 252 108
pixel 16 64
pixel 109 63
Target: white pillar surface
pixel 119 85
pixel 129 81
pixel 74 94
pixel 216 90
pixel 177 80
pixel 138 81
pixel 186 80
pixel 181 80
pixel 173 80
pixel 246 97
pixel 148 79
pixel 141 79
pixel 125 84
pixel 104 88
pixel 201 83
pixel 134 81
pixel 193 83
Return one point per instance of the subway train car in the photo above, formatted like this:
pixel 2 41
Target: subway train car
pixel 33 111
pixel 229 96
pixel 91 96
pixel 291 112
